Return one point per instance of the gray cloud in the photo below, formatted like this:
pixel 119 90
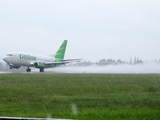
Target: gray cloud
pixel 95 29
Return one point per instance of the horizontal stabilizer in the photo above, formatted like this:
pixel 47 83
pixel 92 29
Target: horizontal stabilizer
pixel 72 60
pixel 52 55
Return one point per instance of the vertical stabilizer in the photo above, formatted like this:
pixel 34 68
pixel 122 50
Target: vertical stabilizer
pixel 61 51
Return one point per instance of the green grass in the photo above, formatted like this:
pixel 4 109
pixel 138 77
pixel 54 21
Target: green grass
pixel 97 96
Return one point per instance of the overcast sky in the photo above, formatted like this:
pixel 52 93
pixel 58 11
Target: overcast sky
pixel 95 29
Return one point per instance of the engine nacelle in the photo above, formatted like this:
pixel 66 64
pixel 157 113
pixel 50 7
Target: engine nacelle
pixel 14 66
pixel 39 65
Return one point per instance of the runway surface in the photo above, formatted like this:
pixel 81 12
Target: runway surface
pixel 117 69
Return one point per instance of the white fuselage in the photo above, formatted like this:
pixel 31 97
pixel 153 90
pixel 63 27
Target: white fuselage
pixel 16 60
pixel 25 59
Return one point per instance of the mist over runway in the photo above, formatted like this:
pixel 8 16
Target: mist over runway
pixel 122 69
pixel 4 72
pixel 152 68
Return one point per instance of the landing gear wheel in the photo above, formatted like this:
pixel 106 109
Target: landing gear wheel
pixel 28 70
pixel 11 67
pixel 41 70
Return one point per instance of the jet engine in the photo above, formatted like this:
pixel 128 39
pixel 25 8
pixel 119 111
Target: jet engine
pixel 39 64
pixel 14 66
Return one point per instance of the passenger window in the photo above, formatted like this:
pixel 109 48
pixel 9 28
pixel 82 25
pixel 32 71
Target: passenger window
pixel 9 54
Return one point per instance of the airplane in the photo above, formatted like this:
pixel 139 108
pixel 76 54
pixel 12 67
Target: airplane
pixel 16 60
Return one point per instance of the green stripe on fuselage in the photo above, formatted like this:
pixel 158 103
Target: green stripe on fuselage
pixel 27 57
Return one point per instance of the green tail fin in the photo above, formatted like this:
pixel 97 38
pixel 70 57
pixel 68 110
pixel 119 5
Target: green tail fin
pixel 61 51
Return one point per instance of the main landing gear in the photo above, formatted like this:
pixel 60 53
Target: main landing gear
pixel 41 70
pixel 28 69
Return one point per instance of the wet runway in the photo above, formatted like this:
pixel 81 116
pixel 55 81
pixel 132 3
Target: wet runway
pixel 117 69
pixel 4 72
pixel 109 69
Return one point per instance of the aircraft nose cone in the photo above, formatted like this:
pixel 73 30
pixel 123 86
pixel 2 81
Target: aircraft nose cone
pixel 4 58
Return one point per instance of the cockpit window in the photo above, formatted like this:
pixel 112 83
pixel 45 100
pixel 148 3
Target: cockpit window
pixel 9 54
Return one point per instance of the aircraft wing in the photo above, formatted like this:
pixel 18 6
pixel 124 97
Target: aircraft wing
pixel 54 64
pixel 63 62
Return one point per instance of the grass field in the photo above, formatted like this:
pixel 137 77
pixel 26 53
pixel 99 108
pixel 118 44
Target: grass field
pixel 81 96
